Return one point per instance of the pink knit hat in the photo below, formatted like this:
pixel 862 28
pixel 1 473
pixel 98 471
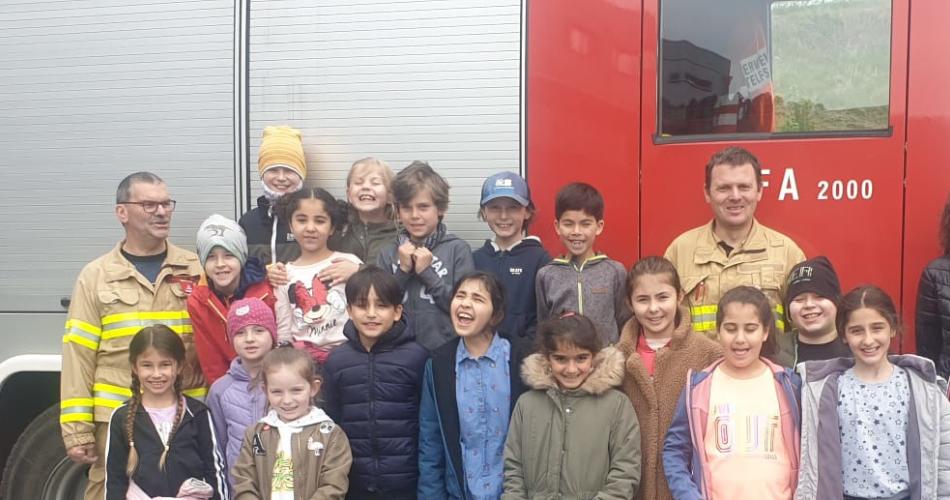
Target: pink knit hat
pixel 252 311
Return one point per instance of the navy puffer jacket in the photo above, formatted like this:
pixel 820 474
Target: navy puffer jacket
pixel 374 396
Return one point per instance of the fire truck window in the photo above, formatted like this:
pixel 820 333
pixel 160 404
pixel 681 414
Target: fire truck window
pixel 831 63
pixel 780 66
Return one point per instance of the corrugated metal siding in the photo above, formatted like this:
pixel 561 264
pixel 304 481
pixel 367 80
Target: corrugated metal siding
pixel 433 80
pixel 91 91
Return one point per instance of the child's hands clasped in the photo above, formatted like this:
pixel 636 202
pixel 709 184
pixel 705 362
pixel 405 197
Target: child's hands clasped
pixel 406 253
pixel 421 259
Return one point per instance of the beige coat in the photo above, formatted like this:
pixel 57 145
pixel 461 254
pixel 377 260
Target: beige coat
pixel 319 475
pixel 654 399
pixel 582 443
pixel 763 261
pixel 111 302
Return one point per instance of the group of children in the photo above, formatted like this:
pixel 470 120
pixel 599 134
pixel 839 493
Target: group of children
pixel 443 373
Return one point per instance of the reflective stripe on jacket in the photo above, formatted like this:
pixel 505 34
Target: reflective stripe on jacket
pixel 707 273
pixel 110 303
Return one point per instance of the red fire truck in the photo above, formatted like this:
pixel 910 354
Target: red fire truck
pixel 842 101
pixel 634 97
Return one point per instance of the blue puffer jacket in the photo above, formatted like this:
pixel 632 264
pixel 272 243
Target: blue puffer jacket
pixel 236 403
pixel 374 396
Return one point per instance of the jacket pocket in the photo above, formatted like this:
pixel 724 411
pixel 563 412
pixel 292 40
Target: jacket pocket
pixel 694 287
pixel 118 299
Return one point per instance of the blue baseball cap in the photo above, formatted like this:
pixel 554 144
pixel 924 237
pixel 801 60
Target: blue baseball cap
pixel 506 185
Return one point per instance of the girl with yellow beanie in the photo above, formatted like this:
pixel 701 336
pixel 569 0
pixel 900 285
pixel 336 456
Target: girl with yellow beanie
pixel 283 168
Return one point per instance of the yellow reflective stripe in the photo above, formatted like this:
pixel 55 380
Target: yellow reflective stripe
pixel 82 333
pixel 79 326
pixel 109 403
pixel 146 316
pixel 128 324
pixel 75 417
pixel 129 331
pixel 197 392
pixel 780 317
pixel 68 403
pixel 76 410
pixel 76 339
pixel 704 326
pixel 703 317
pixel 110 396
pixel 111 389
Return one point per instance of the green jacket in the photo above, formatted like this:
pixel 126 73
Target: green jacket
pixel 579 444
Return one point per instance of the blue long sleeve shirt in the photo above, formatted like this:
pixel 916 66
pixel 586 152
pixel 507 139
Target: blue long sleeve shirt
pixel 483 392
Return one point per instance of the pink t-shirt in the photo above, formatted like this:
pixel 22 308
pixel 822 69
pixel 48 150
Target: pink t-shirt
pixel 744 445
pixel 163 419
pixel 647 350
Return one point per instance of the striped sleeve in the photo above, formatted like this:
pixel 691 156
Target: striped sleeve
pixel 83 332
pixel 213 457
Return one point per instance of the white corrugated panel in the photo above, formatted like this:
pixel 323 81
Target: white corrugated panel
pixel 91 91
pixel 433 80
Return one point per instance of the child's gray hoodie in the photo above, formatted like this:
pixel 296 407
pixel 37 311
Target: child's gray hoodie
pixel 428 295
pixel 595 289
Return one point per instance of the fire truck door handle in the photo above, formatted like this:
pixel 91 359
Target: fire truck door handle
pixel 64 302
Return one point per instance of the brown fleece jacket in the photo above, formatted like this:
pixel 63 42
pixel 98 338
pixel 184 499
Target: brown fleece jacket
pixel 655 399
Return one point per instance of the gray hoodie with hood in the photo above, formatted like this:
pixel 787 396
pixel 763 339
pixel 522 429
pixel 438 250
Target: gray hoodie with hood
pixel 595 288
pixel 428 294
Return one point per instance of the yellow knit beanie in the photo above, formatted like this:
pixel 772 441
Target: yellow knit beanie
pixel 281 147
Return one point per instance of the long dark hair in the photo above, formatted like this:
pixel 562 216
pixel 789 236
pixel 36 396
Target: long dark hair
pixel 289 203
pixel 763 311
pixel 164 340
pixel 871 297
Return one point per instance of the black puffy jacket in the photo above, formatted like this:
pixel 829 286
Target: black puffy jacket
pixel 932 324
pixel 258 225
pixel 374 397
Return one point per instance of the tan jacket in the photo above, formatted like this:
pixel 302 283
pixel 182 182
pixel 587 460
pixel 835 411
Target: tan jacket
pixel 654 398
pixel 110 303
pixel 763 261
pixel 322 476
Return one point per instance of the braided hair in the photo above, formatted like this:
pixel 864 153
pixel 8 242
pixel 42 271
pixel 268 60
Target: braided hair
pixel 164 340
pixel 133 461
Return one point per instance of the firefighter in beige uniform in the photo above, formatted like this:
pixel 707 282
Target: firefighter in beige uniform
pixel 144 280
pixel 734 249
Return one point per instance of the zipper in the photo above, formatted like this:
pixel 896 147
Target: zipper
pixel 372 411
pixel 580 287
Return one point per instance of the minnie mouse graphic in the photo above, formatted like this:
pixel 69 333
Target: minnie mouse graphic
pixel 315 304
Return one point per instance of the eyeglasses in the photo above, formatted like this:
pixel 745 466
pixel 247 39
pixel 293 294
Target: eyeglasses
pixel 150 207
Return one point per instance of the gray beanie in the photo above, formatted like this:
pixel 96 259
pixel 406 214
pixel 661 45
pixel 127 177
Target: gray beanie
pixel 219 231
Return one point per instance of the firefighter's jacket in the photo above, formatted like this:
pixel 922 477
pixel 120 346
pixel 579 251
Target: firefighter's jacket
pixel 706 272
pixel 111 302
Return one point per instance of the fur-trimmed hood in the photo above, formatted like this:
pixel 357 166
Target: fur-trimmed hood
pixel 606 374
